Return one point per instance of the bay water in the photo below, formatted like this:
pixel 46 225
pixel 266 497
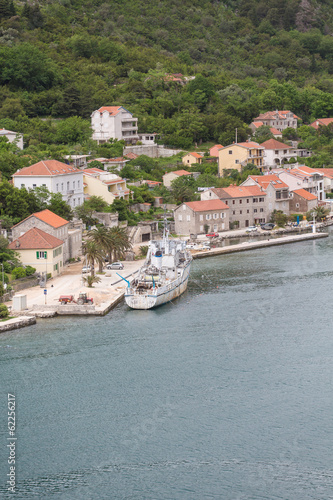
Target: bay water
pixel 225 393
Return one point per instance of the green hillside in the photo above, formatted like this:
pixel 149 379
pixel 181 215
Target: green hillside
pixel 66 58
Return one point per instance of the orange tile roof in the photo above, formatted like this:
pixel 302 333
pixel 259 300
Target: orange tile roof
pixel 206 205
pixel 275 131
pixel 274 144
pixel 265 180
pixel 48 217
pixel 242 191
pixel 328 172
pixel 305 171
pixel 321 121
pixel 269 115
pixel 215 149
pixel 305 194
pixel 51 218
pixel 249 145
pixel 196 155
pixel 94 171
pixel 47 168
pixel 113 110
pixel 35 239
pixel 180 172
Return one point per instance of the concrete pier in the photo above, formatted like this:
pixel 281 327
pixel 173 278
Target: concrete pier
pixel 270 242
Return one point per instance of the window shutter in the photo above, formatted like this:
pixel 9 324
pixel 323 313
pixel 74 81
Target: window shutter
pixel 45 254
pixel 37 255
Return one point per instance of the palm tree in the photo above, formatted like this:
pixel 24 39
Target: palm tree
pixel 320 212
pixel 90 280
pixel 118 243
pixel 101 237
pixel 93 253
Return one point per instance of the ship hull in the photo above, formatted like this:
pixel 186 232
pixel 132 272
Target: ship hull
pixel 160 296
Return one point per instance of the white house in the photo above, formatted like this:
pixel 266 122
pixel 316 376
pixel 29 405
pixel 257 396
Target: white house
pixel 280 120
pixel 276 153
pixel 56 176
pixel 305 178
pixel 114 122
pixel 12 137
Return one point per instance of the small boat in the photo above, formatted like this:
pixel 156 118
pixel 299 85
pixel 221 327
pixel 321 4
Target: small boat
pixel 163 276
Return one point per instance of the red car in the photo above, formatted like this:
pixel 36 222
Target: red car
pixel 212 235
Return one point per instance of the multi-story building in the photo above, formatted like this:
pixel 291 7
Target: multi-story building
pixel 276 190
pixel 197 217
pixel 301 201
pixel 108 186
pixel 56 176
pixel 280 120
pixel 12 137
pixel 40 250
pixel 247 204
pixel 304 177
pixel 55 226
pixel 114 122
pixel 238 155
pixel 277 153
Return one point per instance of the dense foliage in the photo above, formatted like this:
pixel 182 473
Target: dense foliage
pixel 65 59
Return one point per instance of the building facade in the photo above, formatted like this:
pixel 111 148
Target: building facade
pixel 238 155
pixel 56 176
pixel 302 201
pixel 199 217
pixel 277 153
pixel 114 122
pixel 280 120
pixel 307 178
pixel 276 190
pixel 12 137
pixel 192 158
pixel 56 226
pixel 108 186
pixel 40 250
pixel 248 205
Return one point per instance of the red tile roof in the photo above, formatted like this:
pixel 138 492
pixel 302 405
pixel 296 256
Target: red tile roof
pixel 321 121
pixel 35 239
pixel 113 110
pixel 305 194
pixel 180 172
pixel 196 155
pixel 93 171
pixel 48 217
pixel 274 144
pixel 269 115
pixel 47 168
pixel 206 205
pixel 265 180
pixel 131 156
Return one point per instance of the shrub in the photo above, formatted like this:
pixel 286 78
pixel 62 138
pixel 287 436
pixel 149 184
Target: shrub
pixel 29 270
pixel 7 267
pixel 18 272
pixel 4 313
pixel 4 278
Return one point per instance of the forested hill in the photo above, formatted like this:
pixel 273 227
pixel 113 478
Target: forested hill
pixel 62 58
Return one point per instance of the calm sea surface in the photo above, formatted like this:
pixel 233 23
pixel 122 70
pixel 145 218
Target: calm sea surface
pixel 224 394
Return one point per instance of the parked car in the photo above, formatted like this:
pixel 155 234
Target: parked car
pixel 86 269
pixel 115 265
pixel 268 226
pixel 251 229
pixel 212 235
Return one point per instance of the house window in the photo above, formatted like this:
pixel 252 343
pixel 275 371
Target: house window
pixel 255 200
pixel 201 217
pixel 201 228
pixel 236 161
pixel 226 202
pixel 255 210
pixel 233 212
pixel 240 202
pixel 62 186
pixel 184 207
pixel 297 205
pixel 215 216
pixel 78 184
pixel 188 218
pixel 57 187
pixel 41 255
pixel 73 184
pixel 261 199
pixel 180 217
pixel 34 186
pixel 261 210
pixel 247 211
pixel 247 200
pixel 233 202
pixel 68 186
pixel 241 211
pixel 222 215
pixel 208 216
pixel 276 152
pixel 230 152
pixel 22 186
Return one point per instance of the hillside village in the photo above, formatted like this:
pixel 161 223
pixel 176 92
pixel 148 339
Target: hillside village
pixel 212 189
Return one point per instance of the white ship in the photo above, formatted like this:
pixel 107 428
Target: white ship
pixel 164 275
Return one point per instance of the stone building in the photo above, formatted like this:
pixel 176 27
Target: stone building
pixel 198 217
